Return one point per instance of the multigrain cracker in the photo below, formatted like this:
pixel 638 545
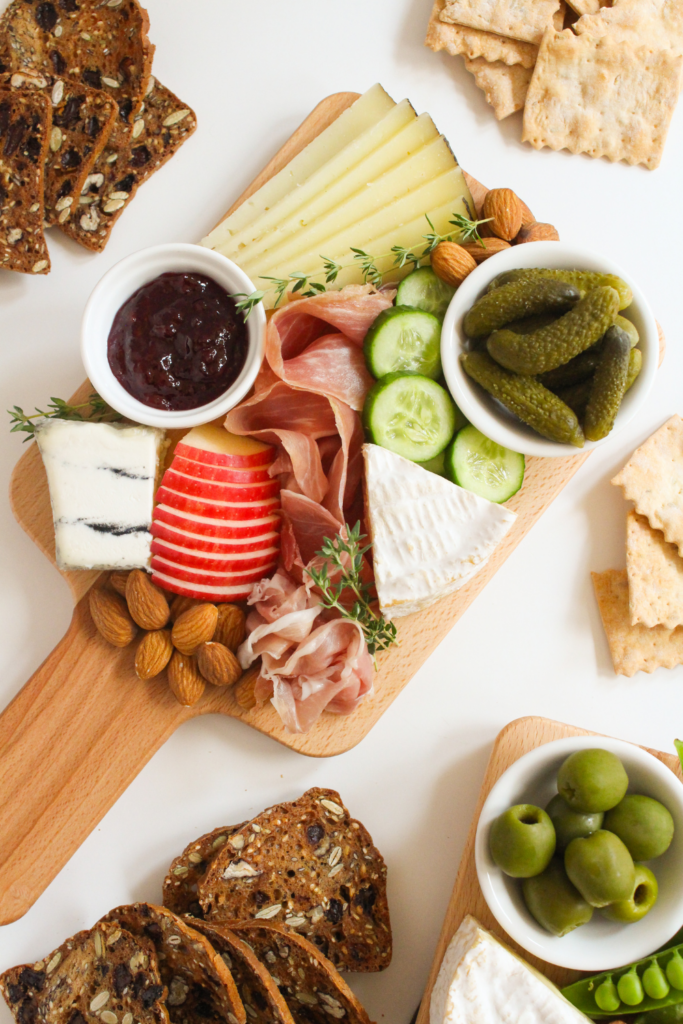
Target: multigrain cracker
pixel 633 648
pixel 472 42
pixel 517 19
pixel 655 576
pixel 607 97
pixel 187 870
pixel 504 86
pixel 653 480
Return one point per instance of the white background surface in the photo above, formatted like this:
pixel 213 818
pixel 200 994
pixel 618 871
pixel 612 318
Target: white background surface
pixel 532 643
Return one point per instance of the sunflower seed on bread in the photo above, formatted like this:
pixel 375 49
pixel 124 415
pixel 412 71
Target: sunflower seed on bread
pixel 309 866
pixel 187 870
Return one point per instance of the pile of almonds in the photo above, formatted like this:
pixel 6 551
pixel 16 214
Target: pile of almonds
pixel 509 222
pixel 194 641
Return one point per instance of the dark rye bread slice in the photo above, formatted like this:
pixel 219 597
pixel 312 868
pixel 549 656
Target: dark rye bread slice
pixel 187 870
pixel 312 987
pixel 101 976
pixel 131 156
pixel 311 867
pixel 25 120
pixel 201 989
pixel 261 996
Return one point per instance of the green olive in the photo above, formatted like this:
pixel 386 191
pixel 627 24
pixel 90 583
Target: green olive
pixel 674 972
pixel 630 988
pixel 592 780
pixel 601 868
pixel 640 902
pixel 571 824
pixel 607 997
pixel 644 825
pixel 654 982
pixel 554 902
pixel 522 841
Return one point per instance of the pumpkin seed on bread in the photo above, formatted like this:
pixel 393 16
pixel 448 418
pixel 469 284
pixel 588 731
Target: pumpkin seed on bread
pixel 96 977
pixel 310 866
pixel 187 870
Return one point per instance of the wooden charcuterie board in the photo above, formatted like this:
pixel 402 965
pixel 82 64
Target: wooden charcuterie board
pixel 84 726
pixel 515 740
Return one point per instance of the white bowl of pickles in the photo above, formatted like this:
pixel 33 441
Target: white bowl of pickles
pixel 583 888
pixel 558 348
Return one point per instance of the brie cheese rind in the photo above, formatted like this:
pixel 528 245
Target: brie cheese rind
pixel 429 536
pixel 481 981
pixel 102 480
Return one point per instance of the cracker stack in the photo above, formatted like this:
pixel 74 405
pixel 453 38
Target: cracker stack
pixel 606 85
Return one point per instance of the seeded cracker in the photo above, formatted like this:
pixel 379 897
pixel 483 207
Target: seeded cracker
pixel 505 87
pixel 526 20
pixel 187 871
pixel 104 976
pixel 653 480
pixel 472 42
pixel 655 575
pixel 311 867
pixel 633 648
pixel 25 119
pixel 200 986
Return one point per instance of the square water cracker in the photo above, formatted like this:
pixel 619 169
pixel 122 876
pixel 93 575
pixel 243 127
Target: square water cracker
pixel 655 576
pixel 653 480
pixel 442 34
pixel 504 86
pixel 525 20
pixel 633 648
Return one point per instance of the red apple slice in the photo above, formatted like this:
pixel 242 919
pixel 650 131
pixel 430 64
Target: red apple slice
pixel 217 447
pixel 199 542
pixel 215 562
pixel 208 526
pixel 257 475
pixel 209 578
pixel 219 490
pixel 217 509
pixel 204 593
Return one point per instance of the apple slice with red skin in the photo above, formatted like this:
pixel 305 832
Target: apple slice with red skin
pixel 213 561
pixel 196 542
pixel 258 475
pixel 217 447
pixel 217 509
pixel 207 526
pixel 208 577
pixel 203 593
pixel 214 490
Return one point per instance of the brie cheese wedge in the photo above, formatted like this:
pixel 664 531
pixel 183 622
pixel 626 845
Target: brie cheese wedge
pixel 429 536
pixel 102 480
pixel 481 981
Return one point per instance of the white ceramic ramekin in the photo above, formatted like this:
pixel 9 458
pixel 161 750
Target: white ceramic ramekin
pixel 119 284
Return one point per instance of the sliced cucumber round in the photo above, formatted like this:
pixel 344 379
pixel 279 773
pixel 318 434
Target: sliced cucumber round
pixel 424 290
pixel 404 340
pixel 409 414
pixel 484 467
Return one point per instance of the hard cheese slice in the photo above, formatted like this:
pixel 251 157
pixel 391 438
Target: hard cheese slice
pixel 481 981
pixel 429 536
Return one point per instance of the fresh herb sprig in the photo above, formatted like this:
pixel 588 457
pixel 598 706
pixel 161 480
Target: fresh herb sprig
pixel 466 228
pixel 95 409
pixel 344 553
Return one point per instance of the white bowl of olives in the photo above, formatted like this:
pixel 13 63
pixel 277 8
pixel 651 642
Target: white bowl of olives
pixel 578 852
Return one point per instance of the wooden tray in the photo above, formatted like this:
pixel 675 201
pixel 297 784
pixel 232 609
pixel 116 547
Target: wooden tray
pixel 516 739
pixel 84 726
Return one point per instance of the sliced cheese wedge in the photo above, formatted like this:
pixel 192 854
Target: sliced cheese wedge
pixel 481 981
pixel 429 536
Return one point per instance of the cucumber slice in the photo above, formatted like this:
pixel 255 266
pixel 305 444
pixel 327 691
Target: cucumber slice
pixel 409 414
pixel 424 290
pixel 436 465
pixel 484 467
pixel 404 340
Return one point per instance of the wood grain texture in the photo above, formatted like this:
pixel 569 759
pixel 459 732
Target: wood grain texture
pixel 516 739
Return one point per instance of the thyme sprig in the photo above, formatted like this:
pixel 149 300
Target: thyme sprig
pixel 58 409
pixel 344 553
pixel 466 228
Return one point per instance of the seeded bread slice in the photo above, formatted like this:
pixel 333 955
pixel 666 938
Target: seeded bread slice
pixel 310 866
pixel 200 986
pixel 102 976
pixel 261 996
pixel 131 156
pixel 311 986
pixel 187 870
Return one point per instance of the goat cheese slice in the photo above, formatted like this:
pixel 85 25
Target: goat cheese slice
pixel 481 981
pixel 429 536
pixel 102 479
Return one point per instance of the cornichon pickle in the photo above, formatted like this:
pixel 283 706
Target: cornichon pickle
pixel 517 300
pixel 556 344
pixel 609 384
pixel 526 398
pixel 532 323
pixel 576 396
pixel 639 982
pixel 635 365
pixel 630 329
pixel 584 280
pixel 573 372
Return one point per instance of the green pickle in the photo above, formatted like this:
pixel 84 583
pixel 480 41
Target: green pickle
pixel 584 280
pixel 552 346
pixel 575 371
pixel 526 398
pixel 576 396
pixel 607 997
pixel 635 365
pixel 517 300
pixel 654 982
pixel 630 328
pixel 630 988
pixel 609 384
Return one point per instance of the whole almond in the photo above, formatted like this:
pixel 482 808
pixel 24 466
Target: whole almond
pixel 147 603
pixel 452 263
pixel 244 689
pixel 231 629
pixel 194 627
pixel 217 664
pixel 111 618
pixel 536 232
pixel 527 215
pixel 118 581
pixel 180 604
pixel 184 679
pixel 153 653
pixel 481 251
pixel 505 211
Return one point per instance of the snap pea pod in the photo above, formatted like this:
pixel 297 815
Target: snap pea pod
pixel 584 280
pixel 653 984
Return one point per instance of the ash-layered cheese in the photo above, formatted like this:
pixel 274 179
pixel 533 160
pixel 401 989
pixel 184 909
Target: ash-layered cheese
pixel 102 481
pixel 481 981
pixel 429 536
